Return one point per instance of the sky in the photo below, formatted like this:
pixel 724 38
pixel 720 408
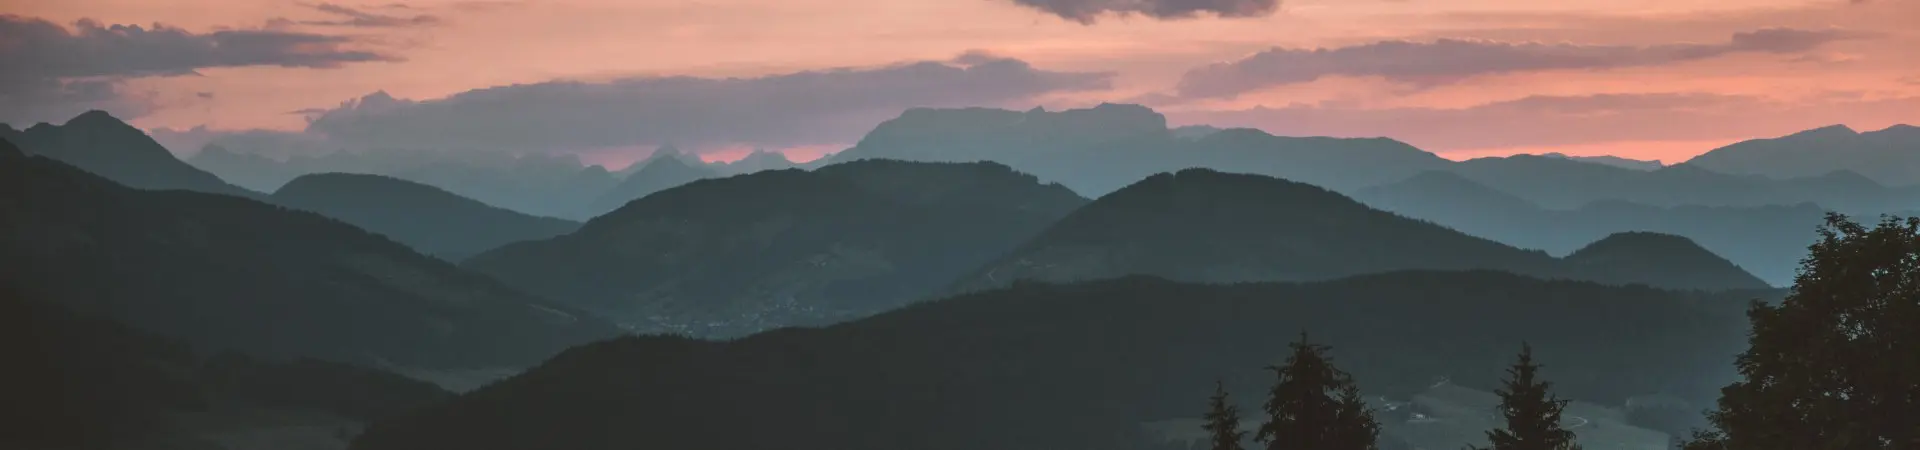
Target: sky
pixel 611 80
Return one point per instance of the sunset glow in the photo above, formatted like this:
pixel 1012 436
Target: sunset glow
pixel 1645 79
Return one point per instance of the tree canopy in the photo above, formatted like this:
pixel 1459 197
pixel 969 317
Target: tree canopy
pixel 1836 365
pixel 1223 421
pixel 1531 411
pixel 1315 406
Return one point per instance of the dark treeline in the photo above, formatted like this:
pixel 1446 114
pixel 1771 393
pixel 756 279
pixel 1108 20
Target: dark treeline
pixel 82 382
pixel 1836 365
pixel 1013 368
pixel 1316 406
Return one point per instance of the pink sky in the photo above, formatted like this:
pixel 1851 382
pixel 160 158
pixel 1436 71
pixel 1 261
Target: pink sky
pixel 1655 79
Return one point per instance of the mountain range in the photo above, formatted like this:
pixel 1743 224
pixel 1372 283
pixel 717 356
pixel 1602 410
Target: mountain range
pixel 1610 160
pixel 1558 183
pixel 1765 240
pixel 1201 225
pixel 942 284
pixel 99 143
pixel 1097 150
pixel 1085 365
pixel 229 273
pixel 1100 149
pixel 431 220
pixel 550 186
pixel 655 174
pixel 785 247
pixel 1889 156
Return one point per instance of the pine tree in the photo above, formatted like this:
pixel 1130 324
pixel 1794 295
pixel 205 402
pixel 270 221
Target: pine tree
pixel 1358 430
pixel 1223 421
pixel 1532 413
pixel 1314 406
pixel 1836 365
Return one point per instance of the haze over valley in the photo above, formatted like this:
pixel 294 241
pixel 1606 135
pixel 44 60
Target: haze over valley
pixel 1006 224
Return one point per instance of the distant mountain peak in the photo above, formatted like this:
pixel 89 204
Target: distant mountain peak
pixel 1661 259
pixel 95 117
pixel 1122 107
pixel 1625 163
pixel 644 178
pixel 1885 156
pixel 329 179
pixel 1826 132
pixel 667 150
pixel 1897 131
pixel 1231 134
pixel 671 161
pixel 768 156
pixel 1688 169
pixel 97 142
pixel 1205 178
pixel 1628 239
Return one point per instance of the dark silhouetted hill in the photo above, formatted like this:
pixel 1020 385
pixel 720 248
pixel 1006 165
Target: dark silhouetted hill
pixel 1205 226
pixel 1890 156
pixel 99 143
pixel 549 186
pixel 739 254
pixel 654 175
pixel 431 220
pixel 222 272
pixel 1084 366
pixel 1658 260
pixel 82 382
pixel 1100 149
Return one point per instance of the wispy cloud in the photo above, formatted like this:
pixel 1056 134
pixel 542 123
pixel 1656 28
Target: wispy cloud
pixel 1089 11
pixel 52 70
pixel 1548 120
pixel 41 49
pixel 801 108
pixel 352 17
pixel 1446 61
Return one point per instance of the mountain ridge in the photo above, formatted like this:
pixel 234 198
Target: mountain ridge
pixel 427 218
pixel 229 273
pixel 1100 160
pixel 101 144
pixel 725 256
pixel 1201 225
pixel 1889 156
